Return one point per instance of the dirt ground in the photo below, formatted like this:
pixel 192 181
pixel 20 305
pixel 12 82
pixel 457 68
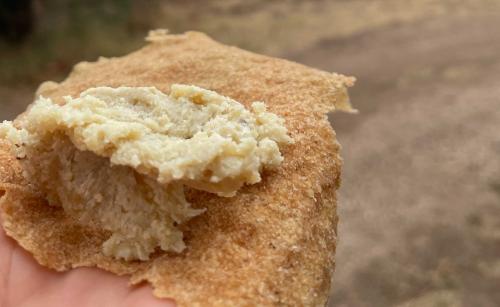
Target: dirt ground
pixel 420 200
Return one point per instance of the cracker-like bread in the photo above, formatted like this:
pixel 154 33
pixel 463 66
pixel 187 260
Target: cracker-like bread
pixel 271 244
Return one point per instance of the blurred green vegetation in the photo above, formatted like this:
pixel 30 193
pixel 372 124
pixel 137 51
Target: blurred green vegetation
pixel 67 32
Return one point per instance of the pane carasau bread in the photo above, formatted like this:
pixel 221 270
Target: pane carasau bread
pixel 273 243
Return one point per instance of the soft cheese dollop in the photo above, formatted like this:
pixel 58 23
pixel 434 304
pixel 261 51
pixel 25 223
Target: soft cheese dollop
pixel 118 158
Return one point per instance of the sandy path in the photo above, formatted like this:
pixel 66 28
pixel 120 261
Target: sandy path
pixel 420 202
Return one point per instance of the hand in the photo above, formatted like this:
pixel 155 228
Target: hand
pixel 25 283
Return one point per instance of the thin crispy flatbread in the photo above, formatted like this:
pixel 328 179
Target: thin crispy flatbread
pixel 271 244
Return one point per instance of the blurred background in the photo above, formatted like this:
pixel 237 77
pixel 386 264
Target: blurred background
pixel 420 201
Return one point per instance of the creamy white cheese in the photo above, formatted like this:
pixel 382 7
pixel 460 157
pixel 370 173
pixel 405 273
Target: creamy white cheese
pixel 118 158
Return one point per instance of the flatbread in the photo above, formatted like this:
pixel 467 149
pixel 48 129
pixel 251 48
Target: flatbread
pixel 273 243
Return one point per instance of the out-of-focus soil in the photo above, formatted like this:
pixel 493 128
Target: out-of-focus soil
pixel 420 200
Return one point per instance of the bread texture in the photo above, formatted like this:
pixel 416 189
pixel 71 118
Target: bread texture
pixel 118 158
pixel 273 243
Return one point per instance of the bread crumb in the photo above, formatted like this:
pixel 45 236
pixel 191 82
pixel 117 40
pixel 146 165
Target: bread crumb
pixel 157 35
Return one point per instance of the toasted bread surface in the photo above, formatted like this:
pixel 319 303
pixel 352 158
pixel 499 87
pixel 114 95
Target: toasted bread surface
pixel 271 244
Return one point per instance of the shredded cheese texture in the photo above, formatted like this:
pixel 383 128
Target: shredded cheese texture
pixel 119 158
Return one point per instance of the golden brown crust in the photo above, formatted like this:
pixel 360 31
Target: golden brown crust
pixel 273 243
